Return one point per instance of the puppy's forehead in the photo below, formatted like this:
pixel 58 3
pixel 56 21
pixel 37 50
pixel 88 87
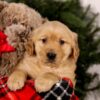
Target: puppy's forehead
pixel 53 28
pixel 51 34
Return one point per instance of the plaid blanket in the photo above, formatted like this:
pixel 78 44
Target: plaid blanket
pixel 63 90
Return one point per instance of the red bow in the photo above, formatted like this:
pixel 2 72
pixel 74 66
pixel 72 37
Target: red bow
pixel 4 46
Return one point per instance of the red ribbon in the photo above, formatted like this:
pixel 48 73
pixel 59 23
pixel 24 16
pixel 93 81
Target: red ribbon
pixel 4 46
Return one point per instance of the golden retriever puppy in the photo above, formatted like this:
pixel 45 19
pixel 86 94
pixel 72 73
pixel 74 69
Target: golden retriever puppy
pixel 51 54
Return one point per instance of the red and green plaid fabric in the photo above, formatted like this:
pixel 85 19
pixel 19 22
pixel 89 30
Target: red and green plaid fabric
pixel 62 90
pixel 27 93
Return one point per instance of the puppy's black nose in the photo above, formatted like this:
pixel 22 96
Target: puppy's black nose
pixel 51 56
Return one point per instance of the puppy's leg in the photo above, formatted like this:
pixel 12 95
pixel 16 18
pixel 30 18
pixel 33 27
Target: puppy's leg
pixel 45 82
pixel 16 80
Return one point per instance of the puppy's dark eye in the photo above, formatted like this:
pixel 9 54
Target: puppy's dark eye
pixel 44 40
pixel 62 42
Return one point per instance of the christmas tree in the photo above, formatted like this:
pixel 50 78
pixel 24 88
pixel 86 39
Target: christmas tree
pixel 72 14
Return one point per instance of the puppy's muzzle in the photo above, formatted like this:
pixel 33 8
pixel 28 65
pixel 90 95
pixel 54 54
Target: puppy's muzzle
pixel 51 56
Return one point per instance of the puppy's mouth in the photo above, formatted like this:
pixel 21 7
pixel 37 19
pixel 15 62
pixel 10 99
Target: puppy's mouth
pixel 51 63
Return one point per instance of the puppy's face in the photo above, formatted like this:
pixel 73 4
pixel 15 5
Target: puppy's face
pixel 52 48
pixel 52 44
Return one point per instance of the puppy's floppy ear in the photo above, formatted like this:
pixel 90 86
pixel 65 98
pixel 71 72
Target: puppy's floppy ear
pixel 30 47
pixel 75 49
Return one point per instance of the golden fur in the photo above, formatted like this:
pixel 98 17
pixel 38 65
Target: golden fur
pixel 51 36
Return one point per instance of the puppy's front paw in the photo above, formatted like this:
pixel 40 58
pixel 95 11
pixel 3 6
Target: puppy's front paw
pixel 16 81
pixel 44 84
